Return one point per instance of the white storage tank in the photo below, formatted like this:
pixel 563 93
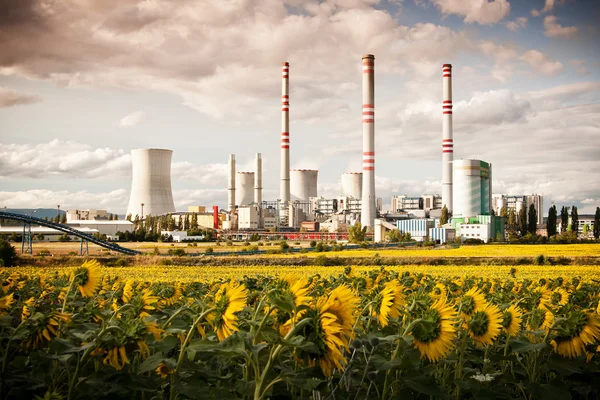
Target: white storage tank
pixel 303 184
pixel 244 188
pixel 151 183
pixel 352 184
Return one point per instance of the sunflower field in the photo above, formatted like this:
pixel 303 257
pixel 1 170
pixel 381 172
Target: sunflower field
pixel 379 333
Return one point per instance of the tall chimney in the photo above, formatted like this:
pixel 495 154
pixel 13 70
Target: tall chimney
pixel 447 143
pixel 258 180
pixel 368 211
pixel 285 133
pixel 231 186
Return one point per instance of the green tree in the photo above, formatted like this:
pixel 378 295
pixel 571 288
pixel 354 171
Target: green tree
pixel 586 229
pixel 532 220
pixel 394 235
pixel 597 223
pixel 8 254
pixel 444 217
pixel 504 212
pixel 522 221
pixel 57 219
pixel 128 218
pixel 512 221
pixel 63 218
pixel 564 219
pixel 574 220
pixel 194 221
pixel 551 222
pixel 357 233
pixel 115 217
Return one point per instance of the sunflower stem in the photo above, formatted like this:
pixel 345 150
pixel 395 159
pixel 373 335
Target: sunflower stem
pixel 175 314
pixel 175 375
pixel 262 324
pixel 64 306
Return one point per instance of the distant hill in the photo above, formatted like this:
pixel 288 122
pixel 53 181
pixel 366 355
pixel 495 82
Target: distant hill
pixel 39 212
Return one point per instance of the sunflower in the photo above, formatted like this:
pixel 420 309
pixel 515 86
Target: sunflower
pixel 88 278
pixel 335 316
pixel 390 300
pixel 144 350
pixel 560 296
pixel 170 295
pixel 540 297
pixel 117 357
pixel 26 311
pixel 439 291
pixel 230 298
pixel 127 291
pixel 512 318
pixel 486 323
pixel 575 332
pixel 434 336
pixel 6 302
pixel 153 328
pixel 471 301
pixel 295 293
pixel 540 319
pixel 146 303
pixel 47 328
pixel 163 370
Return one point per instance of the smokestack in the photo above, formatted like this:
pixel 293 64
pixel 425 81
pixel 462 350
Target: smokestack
pixel 368 211
pixel 231 186
pixel 258 180
pixel 447 142
pixel 285 133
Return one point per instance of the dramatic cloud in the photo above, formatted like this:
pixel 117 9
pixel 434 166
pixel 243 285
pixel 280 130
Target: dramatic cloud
pixel 553 29
pixel 9 98
pixel 132 119
pixel 542 63
pixel 517 24
pixel 483 12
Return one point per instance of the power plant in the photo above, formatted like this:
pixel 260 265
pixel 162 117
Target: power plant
pixel 466 189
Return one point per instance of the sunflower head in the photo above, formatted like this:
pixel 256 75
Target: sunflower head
pixel 485 324
pixel 229 299
pixel 471 301
pixel 88 278
pixel 560 297
pixel 389 300
pixel 434 332
pixel 574 332
pixel 163 370
pixel 540 319
pixel 511 320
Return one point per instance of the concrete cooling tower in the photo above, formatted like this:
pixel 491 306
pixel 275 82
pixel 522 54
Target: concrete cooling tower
pixel 151 183
pixel 303 184
pixel 472 188
pixel 244 188
pixel 352 184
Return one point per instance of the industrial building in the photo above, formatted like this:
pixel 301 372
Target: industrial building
pixel 516 202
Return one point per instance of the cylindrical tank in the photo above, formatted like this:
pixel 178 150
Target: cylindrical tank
pixel 518 206
pixel 151 192
pixel 447 140
pixel 467 188
pixel 368 210
pixel 244 188
pixel 352 184
pixel 303 184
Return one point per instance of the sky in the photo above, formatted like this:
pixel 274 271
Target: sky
pixel 84 82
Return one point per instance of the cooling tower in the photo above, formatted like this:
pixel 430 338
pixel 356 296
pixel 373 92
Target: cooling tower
pixel 303 184
pixel 151 183
pixel 352 184
pixel 244 188
pixel 472 188
pixel 447 141
pixel 285 133
pixel 368 211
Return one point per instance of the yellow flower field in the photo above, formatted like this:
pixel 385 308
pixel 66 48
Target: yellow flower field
pixel 187 274
pixel 492 250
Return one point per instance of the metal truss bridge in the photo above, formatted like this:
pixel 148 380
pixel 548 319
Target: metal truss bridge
pixel 27 239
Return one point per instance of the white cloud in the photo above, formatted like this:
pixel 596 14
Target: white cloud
pixel 9 98
pixel 580 67
pixel 132 119
pixel 548 6
pixel 553 29
pixel 542 63
pixel 483 12
pixel 517 24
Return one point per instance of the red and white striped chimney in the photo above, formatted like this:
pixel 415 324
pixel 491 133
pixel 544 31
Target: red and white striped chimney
pixel 447 142
pixel 285 133
pixel 368 211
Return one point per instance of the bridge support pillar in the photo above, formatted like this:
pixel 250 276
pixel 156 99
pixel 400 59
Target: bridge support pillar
pixel 86 250
pixel 26 240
